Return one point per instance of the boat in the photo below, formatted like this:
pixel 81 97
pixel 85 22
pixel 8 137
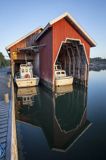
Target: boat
pixel 61 79
pixel 25 77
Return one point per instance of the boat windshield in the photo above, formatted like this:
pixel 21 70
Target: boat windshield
pixel 58 67
pixel 58 72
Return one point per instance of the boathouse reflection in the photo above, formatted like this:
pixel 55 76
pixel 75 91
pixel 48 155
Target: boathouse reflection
pixel 62 116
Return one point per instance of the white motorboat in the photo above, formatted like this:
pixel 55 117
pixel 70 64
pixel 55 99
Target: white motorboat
pixel 61 78
pixel 25 77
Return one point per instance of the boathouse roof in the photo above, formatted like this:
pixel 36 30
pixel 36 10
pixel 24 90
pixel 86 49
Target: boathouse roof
pixel 72 22
pixel 41 31
pixel 24 37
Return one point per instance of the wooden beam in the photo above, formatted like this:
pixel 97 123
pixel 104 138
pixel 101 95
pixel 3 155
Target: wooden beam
pixel 68 53
pixel 34 48
pixel 73 60
pixel 79 60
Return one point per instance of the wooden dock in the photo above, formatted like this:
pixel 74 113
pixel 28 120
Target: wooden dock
pixel 8 139
pixel 4 117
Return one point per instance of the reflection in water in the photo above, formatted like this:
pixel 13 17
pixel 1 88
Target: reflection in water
pixel 70 117
pixel 25 96
pixel 62 116
pixel 63 90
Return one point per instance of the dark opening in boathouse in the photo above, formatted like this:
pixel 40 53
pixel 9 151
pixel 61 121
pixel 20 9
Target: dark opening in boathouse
pixel 62 41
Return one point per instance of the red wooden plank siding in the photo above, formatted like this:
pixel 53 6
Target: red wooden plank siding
pixel 62 30
pixel 21 44
pixel 46 57
pixel 28 41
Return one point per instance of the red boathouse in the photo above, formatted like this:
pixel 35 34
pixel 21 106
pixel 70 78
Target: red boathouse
pixel 63 40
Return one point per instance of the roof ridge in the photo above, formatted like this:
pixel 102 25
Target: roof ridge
pixel 75 23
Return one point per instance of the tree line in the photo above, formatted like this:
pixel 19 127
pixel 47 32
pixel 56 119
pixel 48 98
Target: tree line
pixel 3 62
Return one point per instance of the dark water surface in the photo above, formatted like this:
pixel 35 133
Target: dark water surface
pixel 63 126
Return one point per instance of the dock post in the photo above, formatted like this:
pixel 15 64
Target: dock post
pixel 8 84
pixel 6 98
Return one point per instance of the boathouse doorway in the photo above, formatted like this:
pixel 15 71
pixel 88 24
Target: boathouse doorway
pixel 73 60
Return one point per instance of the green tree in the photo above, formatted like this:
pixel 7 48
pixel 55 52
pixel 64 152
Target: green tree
pixel 3 61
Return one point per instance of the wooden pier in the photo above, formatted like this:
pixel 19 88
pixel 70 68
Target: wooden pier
pixel 8 140
pixel 4 117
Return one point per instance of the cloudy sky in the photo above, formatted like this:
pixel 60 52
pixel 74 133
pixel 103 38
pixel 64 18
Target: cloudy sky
pixel 18 17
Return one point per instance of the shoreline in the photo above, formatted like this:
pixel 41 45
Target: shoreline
pixel 97 64
pixel 97 67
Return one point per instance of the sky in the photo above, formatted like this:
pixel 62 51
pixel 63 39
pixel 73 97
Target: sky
pixel 19 17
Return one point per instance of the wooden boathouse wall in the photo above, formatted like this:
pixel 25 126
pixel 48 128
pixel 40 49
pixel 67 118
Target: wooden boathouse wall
pixel 62 30
pixel 45 66
pixel 25 42
pixel 17 56
pixel 53 37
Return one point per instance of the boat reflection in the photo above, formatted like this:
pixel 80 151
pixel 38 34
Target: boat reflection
pixel 25 96
pixel 63 89
pixel 62 117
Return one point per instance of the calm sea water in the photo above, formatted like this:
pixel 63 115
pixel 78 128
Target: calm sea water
pixel 63 126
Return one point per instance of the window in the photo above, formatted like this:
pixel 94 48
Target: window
pixel 24 98
pixel 27 98
pixel 59 67
pixel 58 72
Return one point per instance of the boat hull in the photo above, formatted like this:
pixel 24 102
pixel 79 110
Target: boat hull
pixel 27 82
pixel 64 81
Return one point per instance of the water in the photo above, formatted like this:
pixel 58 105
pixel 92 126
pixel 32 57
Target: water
pixel 61 126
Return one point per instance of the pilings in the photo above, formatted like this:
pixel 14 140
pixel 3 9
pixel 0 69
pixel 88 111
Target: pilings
pixel 3 129
pixel 8 141
pixel 6 98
